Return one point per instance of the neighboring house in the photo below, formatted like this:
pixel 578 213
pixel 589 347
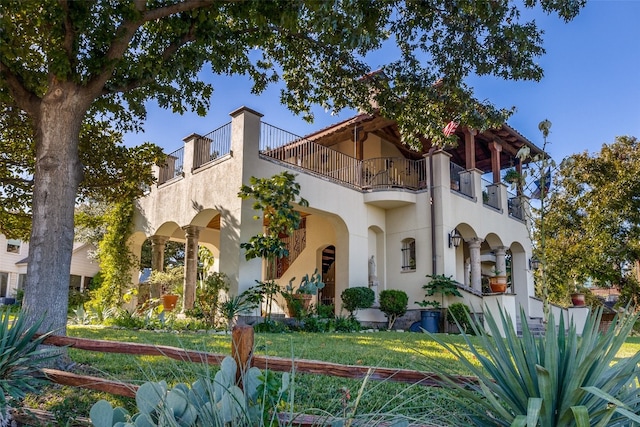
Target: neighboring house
pixel 379 215
pixel 14 261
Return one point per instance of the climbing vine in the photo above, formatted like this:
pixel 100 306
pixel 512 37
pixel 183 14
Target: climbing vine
pixel 116 261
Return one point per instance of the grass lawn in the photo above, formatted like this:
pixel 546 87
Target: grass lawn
pixel 312 392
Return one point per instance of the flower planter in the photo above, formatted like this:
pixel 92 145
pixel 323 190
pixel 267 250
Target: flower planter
pixel 578 300
pixel 498 284
pixel 297 303
pixel 169 301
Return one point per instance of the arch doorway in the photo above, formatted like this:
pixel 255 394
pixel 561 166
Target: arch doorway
pixel 327 295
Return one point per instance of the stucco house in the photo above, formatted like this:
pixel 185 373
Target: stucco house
pixel 379 214
pixel 14 262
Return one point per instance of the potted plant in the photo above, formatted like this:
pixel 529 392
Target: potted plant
pixel 299 299
pixel 511 176
pixel 578 298
pixel 498 282
pixel 170 283
pixel 438 285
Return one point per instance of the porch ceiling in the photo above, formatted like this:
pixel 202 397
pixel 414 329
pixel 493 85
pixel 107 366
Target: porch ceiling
pixel 358 127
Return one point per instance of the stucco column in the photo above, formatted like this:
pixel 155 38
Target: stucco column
pixel 476 268
pixel 192 233
pixel 157 260
pixel 501 262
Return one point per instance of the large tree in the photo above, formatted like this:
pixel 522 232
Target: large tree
pixel 593 224
pixel 64 61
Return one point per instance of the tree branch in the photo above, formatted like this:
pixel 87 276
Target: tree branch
pixel 24 98
pixel 127 30
pixel 69 33
pixel 168 52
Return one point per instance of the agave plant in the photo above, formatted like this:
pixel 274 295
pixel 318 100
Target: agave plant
pixel 560 379
pixel 20 356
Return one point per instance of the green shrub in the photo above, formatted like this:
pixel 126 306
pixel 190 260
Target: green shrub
pixel 356 298
pixel 393 303
pixel 561 379
pixel 77 298
pixel 326 311
pixel 460 313
pixel 208 296
pixel 346 324
pixel 272 326
pixel 314 324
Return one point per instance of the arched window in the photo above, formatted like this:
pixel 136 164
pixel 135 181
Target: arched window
pixel 409 255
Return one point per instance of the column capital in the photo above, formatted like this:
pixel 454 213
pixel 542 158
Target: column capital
pixel 192 230
pixel 501 250
pixel 158 240
pixel 475 242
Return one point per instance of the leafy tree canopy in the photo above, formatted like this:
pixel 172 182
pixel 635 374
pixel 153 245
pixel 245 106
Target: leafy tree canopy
pixel 111 172
pixel 65 63
pixel 593 223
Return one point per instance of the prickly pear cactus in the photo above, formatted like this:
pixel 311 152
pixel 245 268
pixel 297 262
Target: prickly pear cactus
pixel 207 402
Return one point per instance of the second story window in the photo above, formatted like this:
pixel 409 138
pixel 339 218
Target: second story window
pixel 13 246
pixel 408 255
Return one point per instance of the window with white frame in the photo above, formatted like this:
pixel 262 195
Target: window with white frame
pixel 408 255
pixel 13 246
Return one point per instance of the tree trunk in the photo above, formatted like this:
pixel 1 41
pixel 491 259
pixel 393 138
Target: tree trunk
pixel 57 174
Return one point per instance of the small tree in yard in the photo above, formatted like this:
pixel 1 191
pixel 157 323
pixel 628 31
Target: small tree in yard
pixel 393 303
pixel 65 63
pixel 356 298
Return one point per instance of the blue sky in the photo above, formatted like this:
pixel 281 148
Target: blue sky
pixel 590 92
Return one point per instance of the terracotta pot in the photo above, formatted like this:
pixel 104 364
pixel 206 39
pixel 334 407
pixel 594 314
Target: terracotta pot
pixel 169 301
pixel 577 300
pixel 297 303
pixel 498 284
pixel 498 288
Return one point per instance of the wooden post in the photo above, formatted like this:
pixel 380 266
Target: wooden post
pixel 242 349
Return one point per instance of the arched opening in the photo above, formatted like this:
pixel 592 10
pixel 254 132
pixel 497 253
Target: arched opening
pixel 327 294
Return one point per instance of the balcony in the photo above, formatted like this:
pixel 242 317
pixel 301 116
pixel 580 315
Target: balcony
pixel 387 182
pixel 382 173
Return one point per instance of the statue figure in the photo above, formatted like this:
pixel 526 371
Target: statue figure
pixel 373 279
pixel 372 269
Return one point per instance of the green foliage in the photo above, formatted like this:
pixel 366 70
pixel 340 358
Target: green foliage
pixel 346 324
pixel 217 402
pixel 326 311
pixel 308 285
pixel 439 285
pixel 274 197
pixel 560 379
pixel 459 314
pixel 266 292
pixel 169 281
pixel 356 298
pixel 393 303
pixel 173 254
pixel 116 261
pixel 592 232
pixel 208 295
pixel 233 306
pixel 20 357
pixel 271 326
pixel 316 324
pixel 78 298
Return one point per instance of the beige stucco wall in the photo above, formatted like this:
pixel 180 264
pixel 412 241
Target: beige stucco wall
pixel 359 224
